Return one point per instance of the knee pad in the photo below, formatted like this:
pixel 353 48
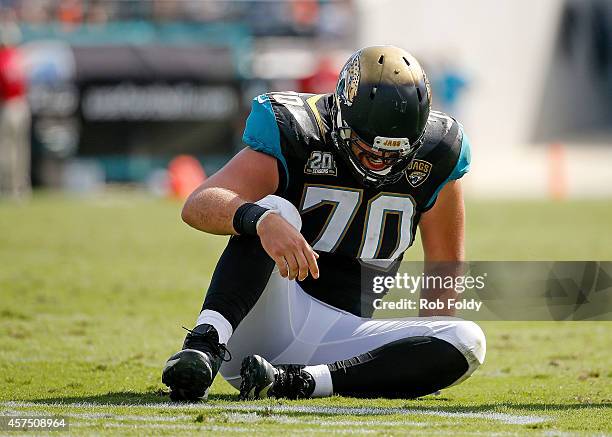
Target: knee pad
pixel 284 208
pixel 473 339
pixel 468 337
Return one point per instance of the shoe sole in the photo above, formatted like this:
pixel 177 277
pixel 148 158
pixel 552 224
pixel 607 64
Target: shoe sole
pixel 248 374
pixel 188 376
pixel 251 373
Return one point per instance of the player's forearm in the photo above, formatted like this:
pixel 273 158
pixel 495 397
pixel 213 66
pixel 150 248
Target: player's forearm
pixel 212 210
pixel 443 236
pixel 248 177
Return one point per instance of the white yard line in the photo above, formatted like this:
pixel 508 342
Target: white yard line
pixel 290 420
pixel 103 416
pixel 219 428
pixel 511 419
pixel 234 417
pixel 309 431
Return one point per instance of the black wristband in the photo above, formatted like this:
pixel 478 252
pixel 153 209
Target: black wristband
pixel 246 218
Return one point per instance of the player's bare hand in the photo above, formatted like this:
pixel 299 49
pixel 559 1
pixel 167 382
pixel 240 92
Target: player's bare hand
pixel 288 248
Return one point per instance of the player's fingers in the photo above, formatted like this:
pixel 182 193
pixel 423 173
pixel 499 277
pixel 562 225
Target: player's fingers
pixel 311 258
pixel 293 266
pixel 303 265
pixel 282 266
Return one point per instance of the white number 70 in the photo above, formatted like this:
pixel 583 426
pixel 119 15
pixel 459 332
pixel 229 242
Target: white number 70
pixel 345 204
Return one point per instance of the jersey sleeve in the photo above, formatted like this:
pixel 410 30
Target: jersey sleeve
pixel 262 134
pixel 461 167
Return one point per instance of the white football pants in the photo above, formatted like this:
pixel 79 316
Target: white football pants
pixel 288 326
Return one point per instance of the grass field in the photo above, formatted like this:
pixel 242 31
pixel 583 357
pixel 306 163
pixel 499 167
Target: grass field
pixel 93 293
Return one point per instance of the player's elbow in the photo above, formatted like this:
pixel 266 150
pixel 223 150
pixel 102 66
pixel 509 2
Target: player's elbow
pixel 189 212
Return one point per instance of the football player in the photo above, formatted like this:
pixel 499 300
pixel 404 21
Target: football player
pixel 328 184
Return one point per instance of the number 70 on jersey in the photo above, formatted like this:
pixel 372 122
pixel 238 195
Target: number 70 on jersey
pixel 345 204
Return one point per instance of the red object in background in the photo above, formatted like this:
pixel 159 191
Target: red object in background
pixel 12 74
pixel 70 12
pixel 185 174
pixel 305 12
pixel 323 80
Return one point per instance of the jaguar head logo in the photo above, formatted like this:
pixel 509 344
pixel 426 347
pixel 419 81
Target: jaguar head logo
pixel 349 81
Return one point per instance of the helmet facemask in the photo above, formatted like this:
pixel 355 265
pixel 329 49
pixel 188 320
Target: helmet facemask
pixel 395 153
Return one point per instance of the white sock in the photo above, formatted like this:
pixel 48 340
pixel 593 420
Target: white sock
pixel 220 323
pixel 323 381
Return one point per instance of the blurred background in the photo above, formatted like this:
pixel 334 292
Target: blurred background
pixel 97 92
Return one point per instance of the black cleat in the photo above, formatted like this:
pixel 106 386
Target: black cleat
pixel 190 372
pixel 261 379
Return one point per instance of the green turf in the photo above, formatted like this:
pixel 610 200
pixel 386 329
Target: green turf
pixel 93 293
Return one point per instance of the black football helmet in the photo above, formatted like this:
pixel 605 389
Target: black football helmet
pixel 383 99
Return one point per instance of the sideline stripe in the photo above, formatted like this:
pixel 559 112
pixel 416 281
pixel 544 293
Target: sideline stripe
pixel 511 419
